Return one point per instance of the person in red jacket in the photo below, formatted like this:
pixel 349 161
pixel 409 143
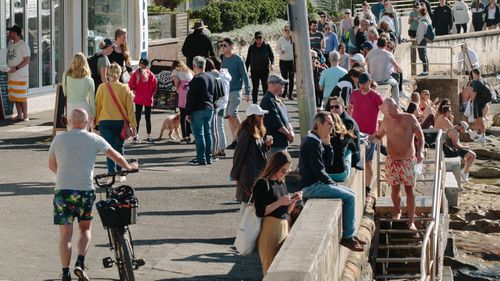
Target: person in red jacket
pixel 143 82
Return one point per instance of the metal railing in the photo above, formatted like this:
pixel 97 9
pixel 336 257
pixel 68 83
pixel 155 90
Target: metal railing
pixel 429 253
pixel 451 50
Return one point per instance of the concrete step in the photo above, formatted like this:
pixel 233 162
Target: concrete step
pixel 385 205
pixel 407 246
pixel 396 260
pixel 390 231
pixel 405 240
pixel 406 276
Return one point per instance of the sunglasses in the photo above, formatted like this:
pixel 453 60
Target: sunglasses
pixel 314 58
pixel 336 106
pixel 326 27
pixel 286 30
pixel 322 17
pixel 222 45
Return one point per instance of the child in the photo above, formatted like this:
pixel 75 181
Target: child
pixel 143 82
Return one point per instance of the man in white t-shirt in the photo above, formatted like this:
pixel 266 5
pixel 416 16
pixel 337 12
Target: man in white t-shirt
pixel 18 59
pixel 72 156
pixel 380 64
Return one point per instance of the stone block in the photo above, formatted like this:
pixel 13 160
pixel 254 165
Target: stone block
pixel 451 189
pixel 454 165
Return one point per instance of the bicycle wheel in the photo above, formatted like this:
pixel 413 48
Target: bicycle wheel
pixel 123 253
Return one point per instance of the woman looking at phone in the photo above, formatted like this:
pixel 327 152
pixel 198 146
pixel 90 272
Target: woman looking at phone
pixel 274 205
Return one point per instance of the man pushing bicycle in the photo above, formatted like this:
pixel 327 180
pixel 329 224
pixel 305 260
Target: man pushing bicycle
pixel 72 156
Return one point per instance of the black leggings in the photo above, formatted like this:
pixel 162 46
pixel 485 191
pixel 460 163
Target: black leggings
pixel 287 72
pixel 258 76
pixel 463 26
pixel 185 127
pixel 147 113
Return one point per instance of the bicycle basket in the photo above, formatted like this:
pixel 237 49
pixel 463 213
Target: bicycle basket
pixel 115 214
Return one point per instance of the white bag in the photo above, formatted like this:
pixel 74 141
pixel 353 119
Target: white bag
pixel 471 118
pixel 248 230
pixel 469 109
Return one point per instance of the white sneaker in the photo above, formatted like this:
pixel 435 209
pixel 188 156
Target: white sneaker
pixel 464 176
pixel 424 73
pixel 481 139
pixel 120 178
pixel 136 139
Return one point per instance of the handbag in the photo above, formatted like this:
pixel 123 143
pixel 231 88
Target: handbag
pixel 249 229
pixel 125 76
pixel 468 109
pixel 126 130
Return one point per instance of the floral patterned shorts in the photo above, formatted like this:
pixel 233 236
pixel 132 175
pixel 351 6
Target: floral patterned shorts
pixel 399 172
pixel 71 204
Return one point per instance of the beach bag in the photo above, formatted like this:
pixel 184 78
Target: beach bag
pixel 125 76
pixel 126 132
pixel 249 229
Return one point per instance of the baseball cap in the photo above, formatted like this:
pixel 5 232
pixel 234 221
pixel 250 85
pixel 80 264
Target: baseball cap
pixel 106 43
pixel 144 61
pixel 258 34
pixel 464 125
pixel 228 41
pixel 255 109
pixel 367 44
pixel 16 29
pixel 276 79
pixel 364 77
pixel 358 58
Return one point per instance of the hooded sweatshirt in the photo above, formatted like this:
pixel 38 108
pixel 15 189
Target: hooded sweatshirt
pixel 460 12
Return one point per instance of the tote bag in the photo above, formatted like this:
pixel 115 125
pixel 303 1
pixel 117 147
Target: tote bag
pixel 249 229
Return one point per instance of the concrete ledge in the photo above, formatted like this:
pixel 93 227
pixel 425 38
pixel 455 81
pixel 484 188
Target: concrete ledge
pixel 451 189
pixel 311 250
pixel 454 165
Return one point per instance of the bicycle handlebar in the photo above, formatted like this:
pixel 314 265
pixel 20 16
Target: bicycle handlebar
pixel 101 179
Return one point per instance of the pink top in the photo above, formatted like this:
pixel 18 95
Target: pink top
pixel 365 110
pixel 182 91
pixel 143 90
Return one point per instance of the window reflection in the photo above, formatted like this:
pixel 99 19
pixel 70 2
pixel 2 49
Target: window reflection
pixel 104 17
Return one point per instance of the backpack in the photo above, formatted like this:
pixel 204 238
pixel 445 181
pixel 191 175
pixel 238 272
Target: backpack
pixel 487 92
pixel 94 69
pixel 219 92
pixel 429 33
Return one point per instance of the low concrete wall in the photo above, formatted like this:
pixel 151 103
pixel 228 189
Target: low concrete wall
pixel 312 250
pixel 163 49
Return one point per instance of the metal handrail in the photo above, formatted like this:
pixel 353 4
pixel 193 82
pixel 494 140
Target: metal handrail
pixel 425 242
pixel 451 63
pixel 433 227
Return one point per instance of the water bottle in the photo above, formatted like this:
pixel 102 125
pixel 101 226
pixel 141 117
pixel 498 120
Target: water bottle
pixel 419 169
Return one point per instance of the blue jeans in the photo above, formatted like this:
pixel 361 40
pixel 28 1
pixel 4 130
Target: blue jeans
pixel 110 131
pixel 394 87
pixel 321 190
pixel 340 177
pixel 201 125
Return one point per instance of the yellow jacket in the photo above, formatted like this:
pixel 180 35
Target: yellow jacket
pixel 106 108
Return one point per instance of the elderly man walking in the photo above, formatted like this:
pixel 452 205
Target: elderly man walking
pixel 74 192
pixel 200 110
pixel 403 153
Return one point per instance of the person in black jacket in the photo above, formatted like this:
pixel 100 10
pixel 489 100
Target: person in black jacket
pixel 277 122
pixel 347 84
pixel 200 110
pixel 260 60
pixel 442 19
pixel 197 44
pixel 361 36
pixel 316 153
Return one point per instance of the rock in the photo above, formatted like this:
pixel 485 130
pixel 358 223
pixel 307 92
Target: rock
pixel 483 226
pixel 496 120
pixel 485 172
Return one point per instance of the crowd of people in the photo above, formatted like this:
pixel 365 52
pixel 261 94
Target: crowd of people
pixel 349 61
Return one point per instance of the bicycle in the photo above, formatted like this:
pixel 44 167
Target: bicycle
pixel 117 212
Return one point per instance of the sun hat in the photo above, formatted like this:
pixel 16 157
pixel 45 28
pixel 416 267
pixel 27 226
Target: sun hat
pixel 255 109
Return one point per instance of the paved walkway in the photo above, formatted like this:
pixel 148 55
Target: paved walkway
pixel 187 215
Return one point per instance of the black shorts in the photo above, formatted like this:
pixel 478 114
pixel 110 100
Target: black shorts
pixel 412 33
pixel 491 22
pixel 450 152
pixel 479 106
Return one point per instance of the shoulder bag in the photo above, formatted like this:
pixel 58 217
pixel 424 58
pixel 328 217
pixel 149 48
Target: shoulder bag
pixel 126 130
pixel 249 229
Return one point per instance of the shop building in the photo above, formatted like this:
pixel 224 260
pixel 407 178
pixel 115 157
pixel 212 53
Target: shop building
pixel 57 29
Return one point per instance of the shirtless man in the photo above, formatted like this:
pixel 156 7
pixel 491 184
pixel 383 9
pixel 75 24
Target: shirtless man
pixel 401 129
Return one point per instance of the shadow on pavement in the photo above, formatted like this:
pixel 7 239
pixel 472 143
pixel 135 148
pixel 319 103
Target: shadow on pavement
pixel 148 242
pixel 26 188
pixel 185 187
pixel 188 213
